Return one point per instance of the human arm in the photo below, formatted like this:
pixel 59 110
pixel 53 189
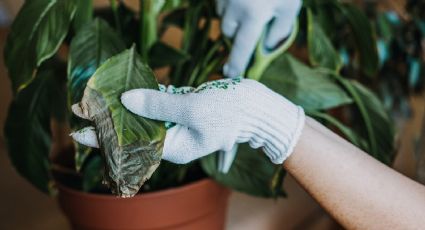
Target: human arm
pixel 357 190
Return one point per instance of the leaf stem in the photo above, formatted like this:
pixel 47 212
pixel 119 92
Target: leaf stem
pixel 114 6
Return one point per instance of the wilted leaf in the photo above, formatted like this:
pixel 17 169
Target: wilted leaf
pixel 302 85
pixel 251 173
pixel 130 144
pixel 36 34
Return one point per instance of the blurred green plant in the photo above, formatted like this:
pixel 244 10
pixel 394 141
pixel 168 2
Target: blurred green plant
pixel 318 83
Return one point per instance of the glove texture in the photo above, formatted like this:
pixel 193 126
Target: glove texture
pixel 219 114
pixel 247 20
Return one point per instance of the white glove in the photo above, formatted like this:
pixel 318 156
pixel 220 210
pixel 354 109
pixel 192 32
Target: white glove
pixel 245 21
pixel 216 116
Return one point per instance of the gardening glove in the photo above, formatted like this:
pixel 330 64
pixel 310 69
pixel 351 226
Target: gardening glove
pixel 216 116
pixel 246 20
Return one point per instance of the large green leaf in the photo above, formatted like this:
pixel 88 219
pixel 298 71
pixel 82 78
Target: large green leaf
pixel 84 14
pixel 302 85
pixel 364 36
pixel 321 51
pixel 93 44
pixel 376 121
pixel 27 129
pixel 251 173
pixel 131 145
pixel 36 34
pixel 347 132
pixel 161 55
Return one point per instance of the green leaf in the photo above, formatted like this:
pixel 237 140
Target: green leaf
pixel 172 4
pixel 84 14
pixel 251 173
pixel 36 34
pixel 161 55
pixel 347 132
pixel 93 173
pixel 364 36
pixel 149 12
pixel 27 130
pixel 377 123
pixel 123 20
pixel 304 86
pixel 321 51
pixel 93 44
pixel 131 145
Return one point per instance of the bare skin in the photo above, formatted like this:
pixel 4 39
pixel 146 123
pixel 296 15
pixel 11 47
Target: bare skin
pixel 357 190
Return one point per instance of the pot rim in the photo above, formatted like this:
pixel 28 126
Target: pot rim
pixel 156 194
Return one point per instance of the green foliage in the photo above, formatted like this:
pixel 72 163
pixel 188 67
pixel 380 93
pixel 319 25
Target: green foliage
pixel 251 173
pixel 93 175
pixel 27 129
pixel 90 47
pixel 348 133
pixel 304 86
pixel 364 37
pixel 96 48
pixel 36 34
pixel 321 51
pixel 375 121
pixel 84 14
pixel 161 55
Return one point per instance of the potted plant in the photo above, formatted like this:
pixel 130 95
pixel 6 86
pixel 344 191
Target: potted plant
pixel 46 84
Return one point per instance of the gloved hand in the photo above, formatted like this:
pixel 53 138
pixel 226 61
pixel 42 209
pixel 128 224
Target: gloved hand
pixel 246 20
pixel 216 116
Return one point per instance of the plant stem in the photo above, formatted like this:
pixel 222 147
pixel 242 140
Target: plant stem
pixel 148 24
pixel 114 6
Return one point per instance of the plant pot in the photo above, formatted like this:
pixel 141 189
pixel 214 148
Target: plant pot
pixel 199 205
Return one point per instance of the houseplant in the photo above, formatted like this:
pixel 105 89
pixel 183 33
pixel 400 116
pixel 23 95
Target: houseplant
pixel 45 84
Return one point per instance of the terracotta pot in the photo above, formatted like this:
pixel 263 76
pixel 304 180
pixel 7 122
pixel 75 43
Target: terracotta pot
pixel 200 205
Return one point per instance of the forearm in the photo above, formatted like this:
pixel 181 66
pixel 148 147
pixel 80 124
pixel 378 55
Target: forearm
pixel 358 191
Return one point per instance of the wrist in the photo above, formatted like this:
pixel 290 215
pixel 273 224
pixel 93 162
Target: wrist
pixel 273 123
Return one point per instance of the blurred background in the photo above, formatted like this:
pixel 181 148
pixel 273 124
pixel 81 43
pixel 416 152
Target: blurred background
pixel 24 207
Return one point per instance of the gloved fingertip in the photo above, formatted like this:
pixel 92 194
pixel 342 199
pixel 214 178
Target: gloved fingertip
pixel 133 100
pixel 86 136
pixel 230 72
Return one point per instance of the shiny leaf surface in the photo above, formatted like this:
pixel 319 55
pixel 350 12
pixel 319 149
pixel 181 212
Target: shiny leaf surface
pixel 379 127
pixel 302 85
pixel 27 130
pixel 92 45
pixel 321 51
pixel 36 34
